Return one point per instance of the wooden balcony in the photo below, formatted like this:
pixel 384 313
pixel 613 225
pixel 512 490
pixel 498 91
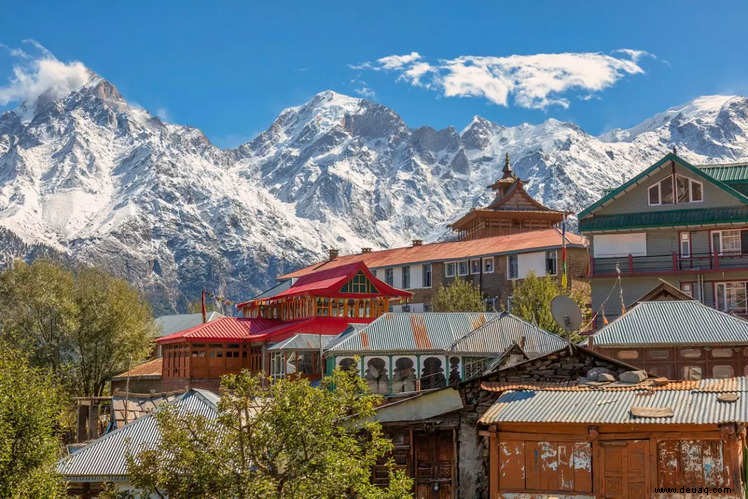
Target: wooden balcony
pixel 671 263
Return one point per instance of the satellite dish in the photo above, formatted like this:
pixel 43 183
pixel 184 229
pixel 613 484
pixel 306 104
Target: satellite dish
pixel 566 313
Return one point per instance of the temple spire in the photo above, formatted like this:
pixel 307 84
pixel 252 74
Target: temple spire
pixel 507 167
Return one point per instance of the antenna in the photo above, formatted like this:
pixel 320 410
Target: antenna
pixel 566 313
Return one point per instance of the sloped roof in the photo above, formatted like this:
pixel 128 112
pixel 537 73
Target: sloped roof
pixel 148 369
pixel 669 218
pixel 545 403
pixel 701 172
pixel 673 322
pixel 237 329
pixel 728 172
pixel 411 332
pixel 169 324
pixel 328 281
pixel 500 335
pixel 664 289
pixel 304 341
pixel 452 250
pixel 104 459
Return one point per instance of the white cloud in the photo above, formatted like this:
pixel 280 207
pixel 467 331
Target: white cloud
pixel 163 114
pixel 34 76
pixel 531 81
pixel 363 89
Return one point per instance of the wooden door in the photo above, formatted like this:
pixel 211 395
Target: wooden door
pixel 434 464
pixel 625 469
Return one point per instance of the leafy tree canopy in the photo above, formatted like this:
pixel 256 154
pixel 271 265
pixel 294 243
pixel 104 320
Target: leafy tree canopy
pixel 531 300
pixel 285 439
pixel 30 410
pixel 459 296
pixel 85 325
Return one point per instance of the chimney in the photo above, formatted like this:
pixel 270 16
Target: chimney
pixel 417 242
pixel 365 250
pixel 334 253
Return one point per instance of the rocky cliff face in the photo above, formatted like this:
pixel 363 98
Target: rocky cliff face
pixel 89 177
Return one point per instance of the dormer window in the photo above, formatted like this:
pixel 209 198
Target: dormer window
pixel 686 191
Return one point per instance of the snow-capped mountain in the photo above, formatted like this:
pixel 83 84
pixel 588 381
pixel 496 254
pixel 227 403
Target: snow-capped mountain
pixel 91 178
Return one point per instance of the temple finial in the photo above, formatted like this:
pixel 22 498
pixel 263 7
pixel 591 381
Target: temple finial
pixel 507 167
pixel 675 151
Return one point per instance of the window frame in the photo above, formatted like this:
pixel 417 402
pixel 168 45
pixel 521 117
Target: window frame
pixel 405 277
pixel 720 235
pixel 485 261
pixel 426 283
pixel 687 240
pixel 720 298
pixel 551 256
pixel 466 263
pixel 389 276
pixel 657 187
pixel 479 268
pixel 447 266
pixel 512 276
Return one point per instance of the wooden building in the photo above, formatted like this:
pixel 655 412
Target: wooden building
pixel 649 439
pixel 677 339
pixel 512 211
pixel 323 303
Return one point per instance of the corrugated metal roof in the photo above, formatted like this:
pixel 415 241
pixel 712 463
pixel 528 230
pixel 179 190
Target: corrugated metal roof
pixel 169 324
pixel 735 172
pixel 278 288
pixel 690 406
pixel 104 459
pixel 668 218
pixel 682 322
pixel 412 332
pixel 499 335
pixel 303 342
pixel 452 250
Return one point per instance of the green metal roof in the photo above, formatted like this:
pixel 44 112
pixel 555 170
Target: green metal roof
pixel 635 180
pixel 670 218
pixel 728 173
pixel 686 322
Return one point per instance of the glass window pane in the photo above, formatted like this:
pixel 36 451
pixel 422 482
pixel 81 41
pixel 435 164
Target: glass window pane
pixel 695 191
pixel 654 194
pixel 666 190
pixel 682 189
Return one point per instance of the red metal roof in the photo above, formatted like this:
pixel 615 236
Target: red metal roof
pixel 242 330
pixel 453 250
pixel 328 281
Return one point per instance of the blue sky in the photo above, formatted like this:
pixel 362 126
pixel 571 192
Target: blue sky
pixel 229 68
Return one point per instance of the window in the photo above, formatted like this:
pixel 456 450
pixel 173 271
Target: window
pixel 666 190
pixel 512 266
pixel 726 241
pixel 687 288
pixel 488 265
pixel 475 266
pixel 359 284
pixel 724 371
pixel 628 354
pixel 406 276
pixel 658 354
pixel 426 277
pixel 449 269
pixel 731 296
pixel 654 195
pixel 389 276
pixel 692 372
pixel 551 262
pixel 696 196
pixel 462 267
pixel 685 244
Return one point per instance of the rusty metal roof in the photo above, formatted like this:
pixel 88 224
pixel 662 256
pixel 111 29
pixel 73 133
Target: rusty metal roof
pixel 148 369
pixel 412 332
pixel 499 335
pixel 677 322
pixel 691 403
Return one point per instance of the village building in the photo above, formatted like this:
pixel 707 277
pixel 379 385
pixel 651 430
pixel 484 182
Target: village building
pixel 626 440
pixel 494 264
pixel 677 339
pixel 512 211
pixel 104 460
pixel 686 223
pixel 323 304
pixel 401 353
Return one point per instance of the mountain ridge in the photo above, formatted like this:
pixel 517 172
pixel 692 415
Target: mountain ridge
pixel 101 181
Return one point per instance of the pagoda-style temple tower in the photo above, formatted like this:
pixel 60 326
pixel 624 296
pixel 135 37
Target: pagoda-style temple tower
pixel 512 211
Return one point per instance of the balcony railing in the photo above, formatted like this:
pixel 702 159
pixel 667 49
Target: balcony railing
pixel 666 263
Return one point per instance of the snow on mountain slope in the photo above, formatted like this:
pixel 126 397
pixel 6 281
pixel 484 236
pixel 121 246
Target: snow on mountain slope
pixel 89 177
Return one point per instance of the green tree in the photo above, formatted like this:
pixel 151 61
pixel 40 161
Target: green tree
pixel 30 410
pixel 285 439
pixel 460 296
pixel 86 326
pixel 531 300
